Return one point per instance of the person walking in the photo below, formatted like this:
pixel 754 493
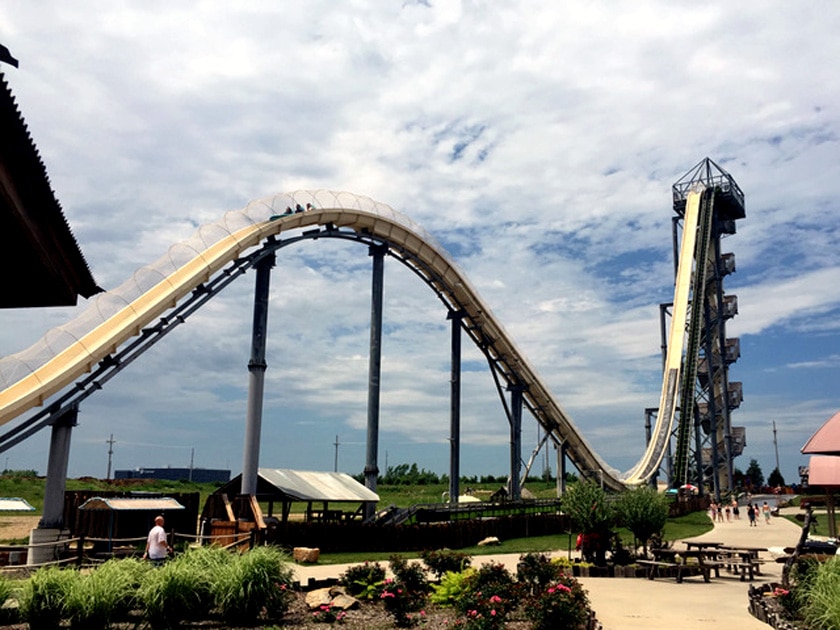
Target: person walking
pixel 157 546
pixel 751 515
pixel 765 509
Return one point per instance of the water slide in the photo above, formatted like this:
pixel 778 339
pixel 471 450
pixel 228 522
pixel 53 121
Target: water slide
pixel 652 458
pixel 31 377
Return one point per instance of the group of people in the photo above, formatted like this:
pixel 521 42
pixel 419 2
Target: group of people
pixel 729 511
pixel 298 209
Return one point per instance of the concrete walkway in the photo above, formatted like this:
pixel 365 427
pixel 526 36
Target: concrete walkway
pixel 623 603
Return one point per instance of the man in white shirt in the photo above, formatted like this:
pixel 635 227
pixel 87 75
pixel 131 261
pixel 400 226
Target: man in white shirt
pixel 157 547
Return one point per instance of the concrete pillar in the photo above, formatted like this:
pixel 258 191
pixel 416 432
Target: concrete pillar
pixel 256 377
pixel 51 526
pixel 59 457
pixel 377 252
pixel 455 409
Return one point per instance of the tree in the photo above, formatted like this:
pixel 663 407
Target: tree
pixel 643 511
pixel 754 475
pixel 775 479
pixel 586 505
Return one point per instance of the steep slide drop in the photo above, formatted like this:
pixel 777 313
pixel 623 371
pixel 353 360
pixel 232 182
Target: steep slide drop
pixel 30 377
pixel 671 378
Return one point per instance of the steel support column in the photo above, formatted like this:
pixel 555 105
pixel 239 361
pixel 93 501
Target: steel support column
pixel 455 408
pixel 256 377
pixel 59 457
pixel 561 468
pixel 515 440
pixel 377 252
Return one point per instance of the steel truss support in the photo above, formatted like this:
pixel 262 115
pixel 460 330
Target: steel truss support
pixel 456 318
pixel 377 252
pixel 515 440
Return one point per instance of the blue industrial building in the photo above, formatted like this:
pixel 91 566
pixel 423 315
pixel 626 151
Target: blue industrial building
pixel 199 475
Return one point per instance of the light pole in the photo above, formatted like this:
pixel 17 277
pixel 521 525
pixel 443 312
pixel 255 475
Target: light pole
pixel 110 442
pixel 776 446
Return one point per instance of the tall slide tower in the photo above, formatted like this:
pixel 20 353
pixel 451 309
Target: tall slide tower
pixel 705 442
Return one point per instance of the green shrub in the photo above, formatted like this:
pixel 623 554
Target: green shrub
pixel 8 591
pixel 107 594
pixel 563 604
pixel 363 580
pixel 451 588
pixel 443 561
pixel 822 612
pixel 179 590
pixel 257 583
pixel 44 597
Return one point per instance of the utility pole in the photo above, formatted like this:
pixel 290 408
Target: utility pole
pixel 776 446
pixel 336 453
pixel 110 443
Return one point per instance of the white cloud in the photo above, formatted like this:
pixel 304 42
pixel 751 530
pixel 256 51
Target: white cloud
pixel 539 142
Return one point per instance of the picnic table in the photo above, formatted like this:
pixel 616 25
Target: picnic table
pixel 702 545
pixel 681 564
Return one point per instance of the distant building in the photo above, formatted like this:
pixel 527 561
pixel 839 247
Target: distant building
pixel 199 475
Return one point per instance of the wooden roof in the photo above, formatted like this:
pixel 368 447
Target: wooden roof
pixel 41 260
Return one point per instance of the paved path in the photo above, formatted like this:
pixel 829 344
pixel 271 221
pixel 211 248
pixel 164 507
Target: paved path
pixel 662 603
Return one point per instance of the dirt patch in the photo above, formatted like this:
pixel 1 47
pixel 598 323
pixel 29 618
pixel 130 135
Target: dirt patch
pixel 17 527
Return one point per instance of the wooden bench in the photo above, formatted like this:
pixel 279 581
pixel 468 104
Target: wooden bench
pixel 744 568
pixel 653 567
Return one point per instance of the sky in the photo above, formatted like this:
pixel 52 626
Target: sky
pixel 538 143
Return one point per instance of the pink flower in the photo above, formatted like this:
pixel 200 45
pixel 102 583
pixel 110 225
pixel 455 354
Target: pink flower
pixel 495 599
pixel 493 613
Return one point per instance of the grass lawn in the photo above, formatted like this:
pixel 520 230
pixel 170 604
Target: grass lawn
pixel 32 489
pixel 687 526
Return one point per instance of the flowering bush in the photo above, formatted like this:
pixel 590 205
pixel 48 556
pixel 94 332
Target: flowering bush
pixel 535 571
pixel 400 602
pixel 564 604
pixel 491 593
pixel 329 614
pixel 485 613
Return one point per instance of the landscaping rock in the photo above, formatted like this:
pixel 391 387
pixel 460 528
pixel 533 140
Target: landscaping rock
pixel 306 554
pixel 334 597
pixel 490 540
